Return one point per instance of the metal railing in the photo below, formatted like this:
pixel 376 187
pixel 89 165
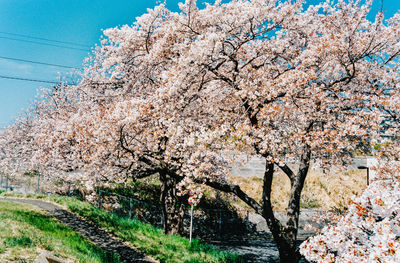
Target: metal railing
pixel 208 224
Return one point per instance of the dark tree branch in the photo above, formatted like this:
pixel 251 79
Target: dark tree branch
pixel 234 189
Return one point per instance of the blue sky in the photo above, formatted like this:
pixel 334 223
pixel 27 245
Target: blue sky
pixel 78 21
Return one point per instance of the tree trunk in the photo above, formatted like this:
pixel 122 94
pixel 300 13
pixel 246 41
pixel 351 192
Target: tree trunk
pixel 288 252
pixel 286 236
pixel 283 237
pixel 172 207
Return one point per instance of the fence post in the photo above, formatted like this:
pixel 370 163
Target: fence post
pixel 38 184
pixel 162 219
pixel 69 189
pixel 130 207
pixel 247 222
pixel 99 200
pixel 219 222
pixel 7 183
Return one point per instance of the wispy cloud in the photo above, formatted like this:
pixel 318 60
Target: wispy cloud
pixel 15 68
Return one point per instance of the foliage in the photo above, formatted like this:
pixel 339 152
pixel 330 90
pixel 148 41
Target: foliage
pixel 148 190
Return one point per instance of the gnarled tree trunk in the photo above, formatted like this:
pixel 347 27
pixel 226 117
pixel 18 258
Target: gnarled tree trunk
pixel 172 206
pixel 286 236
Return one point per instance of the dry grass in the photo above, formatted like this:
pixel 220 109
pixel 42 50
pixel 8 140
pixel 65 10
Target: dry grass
pixel 321 191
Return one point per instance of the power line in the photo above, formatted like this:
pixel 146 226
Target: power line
pixel 45 39
pixel 56 82
pixel 33 80
pixel 45 44
pixel 40 63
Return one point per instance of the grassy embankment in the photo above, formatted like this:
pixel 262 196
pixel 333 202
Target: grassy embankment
pixel 146 238
pixel 26 231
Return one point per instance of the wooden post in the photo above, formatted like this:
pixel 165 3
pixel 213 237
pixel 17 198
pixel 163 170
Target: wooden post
pixel 38 184
pixel 219 222
pixel 247 222
pixel 69 189
pixel 7 183
pixel 130 207
pixel 99 199
pixel 367 168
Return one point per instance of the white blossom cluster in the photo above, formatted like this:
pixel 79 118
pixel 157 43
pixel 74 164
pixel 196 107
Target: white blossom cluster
pixel 368 232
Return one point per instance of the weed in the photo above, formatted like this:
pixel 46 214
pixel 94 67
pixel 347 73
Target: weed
pixel 22 241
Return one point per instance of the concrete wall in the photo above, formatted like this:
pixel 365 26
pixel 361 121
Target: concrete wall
pixel 250 165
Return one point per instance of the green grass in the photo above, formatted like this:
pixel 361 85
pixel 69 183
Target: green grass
pixel 26 231
pixel 147 238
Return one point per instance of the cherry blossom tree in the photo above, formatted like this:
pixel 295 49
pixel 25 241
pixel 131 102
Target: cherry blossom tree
pixel 278 81
pixel 118 125
pixel 114 129
pixel 15 145
pixel 39 140
pixel 125 139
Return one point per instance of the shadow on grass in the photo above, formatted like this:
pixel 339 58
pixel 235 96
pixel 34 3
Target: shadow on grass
pixel 52 230
pixel 108 248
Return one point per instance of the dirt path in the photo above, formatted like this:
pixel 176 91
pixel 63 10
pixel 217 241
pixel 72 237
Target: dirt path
pixel 99 237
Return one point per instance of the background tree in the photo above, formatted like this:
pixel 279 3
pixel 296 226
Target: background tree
pixel 114 125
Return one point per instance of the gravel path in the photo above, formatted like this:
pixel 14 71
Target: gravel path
pixel 99 237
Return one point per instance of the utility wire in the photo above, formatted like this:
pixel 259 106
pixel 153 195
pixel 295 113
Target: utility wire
pixel 46 44
pixel 33 80
pixel 57 82
pixel 40 63
pixel 45 39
